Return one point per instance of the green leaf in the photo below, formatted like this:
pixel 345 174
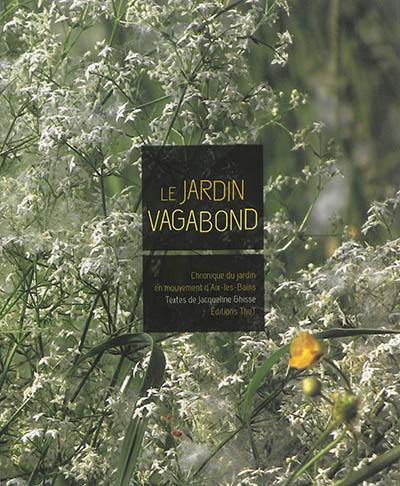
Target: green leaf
pixel 275 357
pixel 139 339
pixel 153 378
pixel 132 443
pixel 259 377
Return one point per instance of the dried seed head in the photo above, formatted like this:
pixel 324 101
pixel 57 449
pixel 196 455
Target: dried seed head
pixel 345 408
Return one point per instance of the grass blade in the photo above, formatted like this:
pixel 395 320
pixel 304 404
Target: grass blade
pixel 153 378
pixel 132 442
pixel 139 339
pixel 258 378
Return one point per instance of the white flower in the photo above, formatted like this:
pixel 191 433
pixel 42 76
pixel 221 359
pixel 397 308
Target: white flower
pixel 29 436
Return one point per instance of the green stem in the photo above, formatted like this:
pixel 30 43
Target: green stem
pixel 375 466
pixel 300 228
pixel 217 449
pixel 13 349
pixel 14 416
pixel 87 323
pixel 103 194
pixel 327 399
pixel 340 373
pixel 316 458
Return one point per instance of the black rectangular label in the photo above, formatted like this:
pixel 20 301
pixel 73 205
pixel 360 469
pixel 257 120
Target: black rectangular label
pixel 202 197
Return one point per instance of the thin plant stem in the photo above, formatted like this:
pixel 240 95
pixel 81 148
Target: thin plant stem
pixel 340 373
pixel 315 459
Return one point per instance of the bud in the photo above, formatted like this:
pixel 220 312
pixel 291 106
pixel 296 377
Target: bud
pixel 311 386
pixel 345 408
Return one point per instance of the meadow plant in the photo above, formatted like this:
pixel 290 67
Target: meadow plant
pixel 86 398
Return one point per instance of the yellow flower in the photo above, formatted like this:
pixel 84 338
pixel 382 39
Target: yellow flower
pixel 305 351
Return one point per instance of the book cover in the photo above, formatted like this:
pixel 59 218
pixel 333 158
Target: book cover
pixel 199 243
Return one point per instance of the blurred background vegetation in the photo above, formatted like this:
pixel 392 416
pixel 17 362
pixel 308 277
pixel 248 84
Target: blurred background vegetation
pixel 345 55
